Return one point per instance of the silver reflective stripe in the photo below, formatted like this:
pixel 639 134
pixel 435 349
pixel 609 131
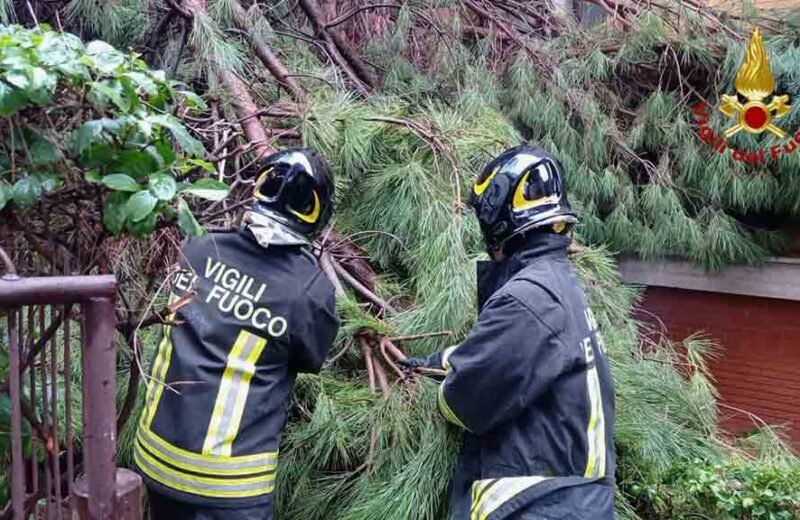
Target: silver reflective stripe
pixel 239 369
pixel 233 488
pixel 504 490
pixel 446 357
pixel 235 384
pixel 596 430
pixel 206 463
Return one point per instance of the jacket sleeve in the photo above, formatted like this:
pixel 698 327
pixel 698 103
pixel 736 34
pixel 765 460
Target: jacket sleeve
pixel 315 326
pixel 512 355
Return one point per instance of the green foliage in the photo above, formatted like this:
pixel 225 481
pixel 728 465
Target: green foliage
pixel 130 143
pixel 732 490
pixel 405 158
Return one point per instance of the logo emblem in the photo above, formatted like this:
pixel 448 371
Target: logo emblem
pixel 755 83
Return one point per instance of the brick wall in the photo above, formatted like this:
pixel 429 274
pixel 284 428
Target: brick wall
pixel 759 365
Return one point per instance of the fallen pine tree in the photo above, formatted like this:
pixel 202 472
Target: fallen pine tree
pixel 408 101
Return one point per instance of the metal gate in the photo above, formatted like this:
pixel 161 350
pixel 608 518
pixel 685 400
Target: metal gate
pixel 59 333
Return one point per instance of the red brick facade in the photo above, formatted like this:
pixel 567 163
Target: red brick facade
pixel 759 365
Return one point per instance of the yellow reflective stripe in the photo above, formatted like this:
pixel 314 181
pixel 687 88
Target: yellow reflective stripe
pixel 447 411
pixel 208 464
pixel 596 431
pixel 446 356
pixel 217 488
pixel 504 490
pixel 222 394
pixel 232 394
pixel 479 487
pixel 241 396
pixel 158 376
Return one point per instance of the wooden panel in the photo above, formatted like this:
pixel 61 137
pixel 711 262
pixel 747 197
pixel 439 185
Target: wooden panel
pixel 777 278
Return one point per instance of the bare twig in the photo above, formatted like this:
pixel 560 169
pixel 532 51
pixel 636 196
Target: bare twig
pixel 270 60
pixel 383 348
pixel 326 265
pixel 383 382
pixel 343 18
pixel 369 362
pixel 412 337
pixel 359 287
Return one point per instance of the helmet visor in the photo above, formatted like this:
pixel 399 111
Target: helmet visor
pixel 287 183
pixel 272 180
pixel 541 181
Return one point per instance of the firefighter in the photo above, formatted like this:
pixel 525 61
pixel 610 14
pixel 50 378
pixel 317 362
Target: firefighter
pixel 253 309
pixel 530 385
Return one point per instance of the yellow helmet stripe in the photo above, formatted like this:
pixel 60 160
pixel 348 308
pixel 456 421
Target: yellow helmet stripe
pixel 260 182
pixel 313 216
pixel 480 188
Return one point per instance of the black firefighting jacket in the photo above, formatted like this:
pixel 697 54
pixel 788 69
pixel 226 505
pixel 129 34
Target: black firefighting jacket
pixel 221 379
pixel 531 386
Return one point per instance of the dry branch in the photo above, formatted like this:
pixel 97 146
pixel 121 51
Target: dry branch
pixel 270 60
pixel 338 49
pixel 246 108
pixel 361 289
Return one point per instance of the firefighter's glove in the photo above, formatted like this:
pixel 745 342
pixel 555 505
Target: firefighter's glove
pixel 414 363
pixel 430 366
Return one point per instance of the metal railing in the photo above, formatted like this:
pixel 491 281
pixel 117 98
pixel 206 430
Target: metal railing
pixel 48 359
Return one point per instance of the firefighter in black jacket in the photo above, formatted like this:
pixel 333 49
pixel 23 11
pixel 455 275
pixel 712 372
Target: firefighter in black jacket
pixel 259 311
pixel 531 384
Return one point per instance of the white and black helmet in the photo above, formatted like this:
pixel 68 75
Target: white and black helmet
pixel 295 186
pixel 521 189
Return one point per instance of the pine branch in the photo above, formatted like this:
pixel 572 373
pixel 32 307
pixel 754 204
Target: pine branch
pixel 270 60
pixel 348 15
pixel 361 289
pixel 246 109
pixel 340 53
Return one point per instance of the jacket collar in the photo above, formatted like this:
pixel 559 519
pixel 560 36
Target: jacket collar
pixel 493 274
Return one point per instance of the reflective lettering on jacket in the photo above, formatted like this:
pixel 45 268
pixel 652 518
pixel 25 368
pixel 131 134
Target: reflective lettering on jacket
pixel 216 402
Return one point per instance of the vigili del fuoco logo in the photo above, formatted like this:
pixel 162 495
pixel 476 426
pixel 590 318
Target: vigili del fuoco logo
pixel 756 85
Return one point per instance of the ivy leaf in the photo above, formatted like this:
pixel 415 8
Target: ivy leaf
pixel 163 153
pixel 11 99
pixel 121 182
pixel 104 57
pixel 187 165
pixel 188 143
pixel 163 186
pixel 193 101
pixel 109 91
pixel 140 205
pixel 186 220
pixel 5 195
pixel 115 212
pixel 26 191
pixel 142 81
pixel 18 78
pixel 208 189
pixel 42 85
pixel 92 132
pixel 143 227
pixel 136 163
pixel 43 151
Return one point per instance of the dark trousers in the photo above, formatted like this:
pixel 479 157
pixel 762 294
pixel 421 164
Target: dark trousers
pixel 163 507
